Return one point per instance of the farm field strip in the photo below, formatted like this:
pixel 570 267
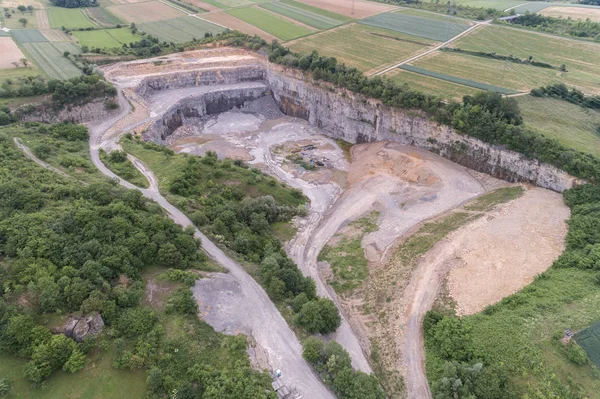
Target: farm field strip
pixel 107 38
pixel 146 12
pixel 10 52
pixel 429 28
pixel 223 18
pixel 306 17
pixel 28 36
pixel 70 18
pixel 576 13
pixel 270 23
pixel 432 15
pixel 457 80
pixel 356 9
pixel 55 35
pixel 362 46
pixel 49 57
pixel 104 17
pixel 433 86
pixel 41 17
pixel 180 30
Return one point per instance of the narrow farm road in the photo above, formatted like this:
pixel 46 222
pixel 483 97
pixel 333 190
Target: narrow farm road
pixel 439 46
pixel 269 328
pixel 35 159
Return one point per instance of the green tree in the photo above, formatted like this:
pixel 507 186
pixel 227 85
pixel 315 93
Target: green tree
pixel 76 362
pixel 22 8
pixel 23 21
pixel 312 350
pixel 319 315
pixel 4 386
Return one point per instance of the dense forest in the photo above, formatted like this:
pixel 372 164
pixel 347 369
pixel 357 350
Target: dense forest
pixel 560 26
pixel 67 247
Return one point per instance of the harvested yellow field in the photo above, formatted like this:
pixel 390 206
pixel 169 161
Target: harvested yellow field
pixel 574 12
pixel 145 12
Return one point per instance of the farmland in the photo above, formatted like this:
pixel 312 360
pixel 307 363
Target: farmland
pixel 49 56
pixel 103 16
pixel 304 15
pixel 106 38
pixel 13 23
pixel 354 44
pixel 270 23
pixel 70 18
pixel 570 124
pixel 426 27
pixel 573 13
pixel 179 29
pixel 509 75
pixel 55 35
pixel 10 52
pixel 41 17
pixel 444 89
pixel 145 12
pixel 582 59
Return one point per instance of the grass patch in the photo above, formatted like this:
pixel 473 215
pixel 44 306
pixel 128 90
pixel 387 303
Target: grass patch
pixel 49 56
pixel 284 231
pixel 70 18
pixel 98 380
pixel 426 84
pixel 270 23
pixel 582 59
pixel 107 38
pixel 346 257
pixel 570 124
pixel 117 162
pixel 13 74
pixel 488 201
pixel 362 46
pixel 104 16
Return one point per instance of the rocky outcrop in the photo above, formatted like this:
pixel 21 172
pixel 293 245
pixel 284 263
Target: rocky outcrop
pixel 46 113
pixel 343 115
pixel 80 327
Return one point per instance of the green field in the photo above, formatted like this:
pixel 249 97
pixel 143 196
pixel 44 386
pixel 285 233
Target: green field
pixel 436 16
pixel 301 14
pixel 513 76
pixel 570 124
pixel 582 59
pixel 13 22
pixel 441 88
pixel 179 30
pixel 364 47
pixel 49 57
pixel 98 380
pixel 454 79
pixel 429 27
pixel 28 36
pixel 107 38
pixel 70 18
pixel 104 17
pixel 589 340
pixel 270 23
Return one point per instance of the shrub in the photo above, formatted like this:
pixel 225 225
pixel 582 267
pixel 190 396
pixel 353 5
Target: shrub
pixel 576 354
pixel 320 315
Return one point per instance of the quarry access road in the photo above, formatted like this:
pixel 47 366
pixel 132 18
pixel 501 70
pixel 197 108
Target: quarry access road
pixel 35 159
pixel 269 328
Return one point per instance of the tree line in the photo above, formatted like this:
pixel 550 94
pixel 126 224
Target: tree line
pixel 74 3
pixel 560 26
pixel 572 95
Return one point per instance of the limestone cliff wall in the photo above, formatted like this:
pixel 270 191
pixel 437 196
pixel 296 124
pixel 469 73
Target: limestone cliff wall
pixel 347 116
pixel 357 119
pixel 94 110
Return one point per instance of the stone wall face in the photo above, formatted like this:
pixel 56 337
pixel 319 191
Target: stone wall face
pixel 45 113
pixel 347 116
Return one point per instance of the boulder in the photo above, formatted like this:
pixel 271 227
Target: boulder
pixel 80 327
pixel 81 330
pixel 70 326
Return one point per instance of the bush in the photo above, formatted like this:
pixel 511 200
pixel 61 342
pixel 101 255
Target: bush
pixel 320 315
pixel 576 354
pixel 136 322
pixel 182 301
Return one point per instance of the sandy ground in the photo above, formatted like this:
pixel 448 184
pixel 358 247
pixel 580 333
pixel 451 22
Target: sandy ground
pixel 502 253
pixel 222 18
pixel 145 12
pixel 362 9
pixel 574 12
pixel 10 52
pixel 56 35
pixel 41 17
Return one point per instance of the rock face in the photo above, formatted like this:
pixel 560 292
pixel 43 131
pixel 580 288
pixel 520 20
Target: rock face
pixel 93 110
pixel 80 327
pixel 346 116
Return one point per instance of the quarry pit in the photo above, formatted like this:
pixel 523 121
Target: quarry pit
pixel 403 165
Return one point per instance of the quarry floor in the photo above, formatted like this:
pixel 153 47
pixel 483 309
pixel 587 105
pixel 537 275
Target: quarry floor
pixel 483 261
